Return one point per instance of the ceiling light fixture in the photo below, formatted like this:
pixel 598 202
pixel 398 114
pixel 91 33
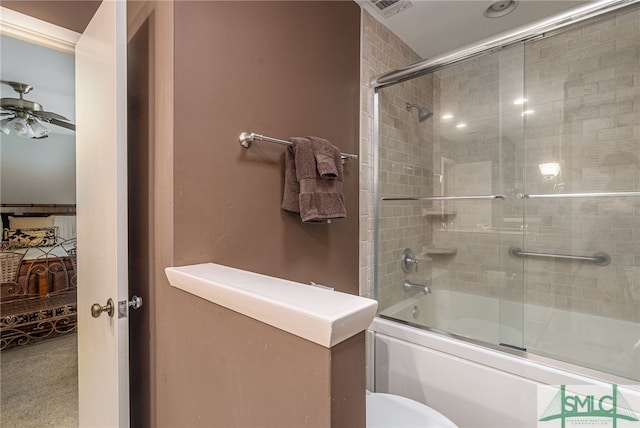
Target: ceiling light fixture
pixel 25 117
pixel 500 8
pixel 24 126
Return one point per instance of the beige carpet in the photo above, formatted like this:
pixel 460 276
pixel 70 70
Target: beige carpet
pixel 39 384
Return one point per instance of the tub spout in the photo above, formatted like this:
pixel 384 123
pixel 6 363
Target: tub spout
pixel 408 285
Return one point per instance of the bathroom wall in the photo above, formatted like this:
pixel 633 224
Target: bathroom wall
pixel 280 69
pixel 281 74
pixel 383 51
pixel 405 169
pixel 583 87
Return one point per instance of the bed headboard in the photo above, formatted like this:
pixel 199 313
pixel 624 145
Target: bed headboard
pixel 38 209
pixel 34 210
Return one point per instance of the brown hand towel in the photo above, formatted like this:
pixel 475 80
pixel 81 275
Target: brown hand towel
pixel 291 186
pixel 318 200
pixel 327 158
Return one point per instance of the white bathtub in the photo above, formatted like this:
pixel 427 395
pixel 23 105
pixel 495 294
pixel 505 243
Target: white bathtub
pixel 485 386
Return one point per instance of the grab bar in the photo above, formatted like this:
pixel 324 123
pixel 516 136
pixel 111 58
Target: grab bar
pixel 246 138
pixel 441 198
pixel 578 195
pixel 599 258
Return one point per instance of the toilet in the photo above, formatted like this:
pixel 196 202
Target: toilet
pixel 393 411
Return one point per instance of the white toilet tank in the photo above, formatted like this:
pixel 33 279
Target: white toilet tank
pixel 393 411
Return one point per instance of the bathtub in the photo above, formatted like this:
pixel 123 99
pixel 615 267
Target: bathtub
pixel 478 383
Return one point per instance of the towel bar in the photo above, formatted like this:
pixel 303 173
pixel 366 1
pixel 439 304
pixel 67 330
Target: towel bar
pixel 246 138
pixel 441 198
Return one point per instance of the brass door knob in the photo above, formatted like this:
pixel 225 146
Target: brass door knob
pixel 97 309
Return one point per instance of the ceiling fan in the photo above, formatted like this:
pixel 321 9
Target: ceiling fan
pixel 24 116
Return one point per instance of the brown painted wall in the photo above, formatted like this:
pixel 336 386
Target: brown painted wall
pixel 280 69
pixel 71 14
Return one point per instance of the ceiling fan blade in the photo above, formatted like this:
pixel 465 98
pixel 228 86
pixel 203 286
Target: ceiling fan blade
pixel 47 115
pixel 67 125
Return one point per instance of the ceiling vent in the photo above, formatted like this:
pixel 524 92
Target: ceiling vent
pixel 388 8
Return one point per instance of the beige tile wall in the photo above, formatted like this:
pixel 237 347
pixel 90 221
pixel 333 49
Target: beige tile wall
pixel 405 169
pixel 584 89
pixel 382 51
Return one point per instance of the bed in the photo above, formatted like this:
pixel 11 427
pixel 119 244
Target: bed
pixel 38 273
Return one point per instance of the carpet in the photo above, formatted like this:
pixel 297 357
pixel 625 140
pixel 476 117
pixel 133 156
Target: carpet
pixel 39 384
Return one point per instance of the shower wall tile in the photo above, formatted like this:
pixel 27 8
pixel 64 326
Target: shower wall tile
pixel 586 119
pixel 383 51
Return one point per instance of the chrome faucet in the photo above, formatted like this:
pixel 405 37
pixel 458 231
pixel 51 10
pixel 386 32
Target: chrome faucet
pixel 408 285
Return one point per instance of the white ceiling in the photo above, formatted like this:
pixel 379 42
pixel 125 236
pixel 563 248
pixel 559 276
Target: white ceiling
pixel 432 27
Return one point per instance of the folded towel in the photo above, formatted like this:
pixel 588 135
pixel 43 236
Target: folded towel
pixel 305 191
pixel 327 158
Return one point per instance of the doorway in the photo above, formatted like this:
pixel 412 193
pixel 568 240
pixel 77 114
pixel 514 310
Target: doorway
pixel 39 346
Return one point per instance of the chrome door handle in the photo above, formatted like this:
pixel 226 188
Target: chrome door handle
pixel 97 310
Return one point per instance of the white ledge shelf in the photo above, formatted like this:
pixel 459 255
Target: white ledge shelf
pixel 319 315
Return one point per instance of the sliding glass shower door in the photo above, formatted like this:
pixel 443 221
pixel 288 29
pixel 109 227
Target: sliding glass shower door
pixel 582 195
pixel 447 182
pixel 508 197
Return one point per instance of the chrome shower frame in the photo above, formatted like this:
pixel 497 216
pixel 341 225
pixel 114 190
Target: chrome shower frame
pixel 538 29
pixel 541 28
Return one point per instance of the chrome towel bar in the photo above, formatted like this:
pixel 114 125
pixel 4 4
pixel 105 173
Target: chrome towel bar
pixel 440 198
pixel 246 138
pixel 598 258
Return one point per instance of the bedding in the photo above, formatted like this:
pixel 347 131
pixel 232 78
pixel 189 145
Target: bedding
pixel 35 253
pixel 23 222
pixel 65 229
pixel 30 237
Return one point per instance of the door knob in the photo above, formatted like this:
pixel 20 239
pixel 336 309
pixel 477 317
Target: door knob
pixel 123 305
pixel 96 309
pixel 135 302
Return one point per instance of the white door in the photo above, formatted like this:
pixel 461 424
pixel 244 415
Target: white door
pixel 101 185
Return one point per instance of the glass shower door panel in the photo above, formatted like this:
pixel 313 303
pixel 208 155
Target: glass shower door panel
pixel 582 196
pixel 450 158
pixel 404 153
pixel 466 157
